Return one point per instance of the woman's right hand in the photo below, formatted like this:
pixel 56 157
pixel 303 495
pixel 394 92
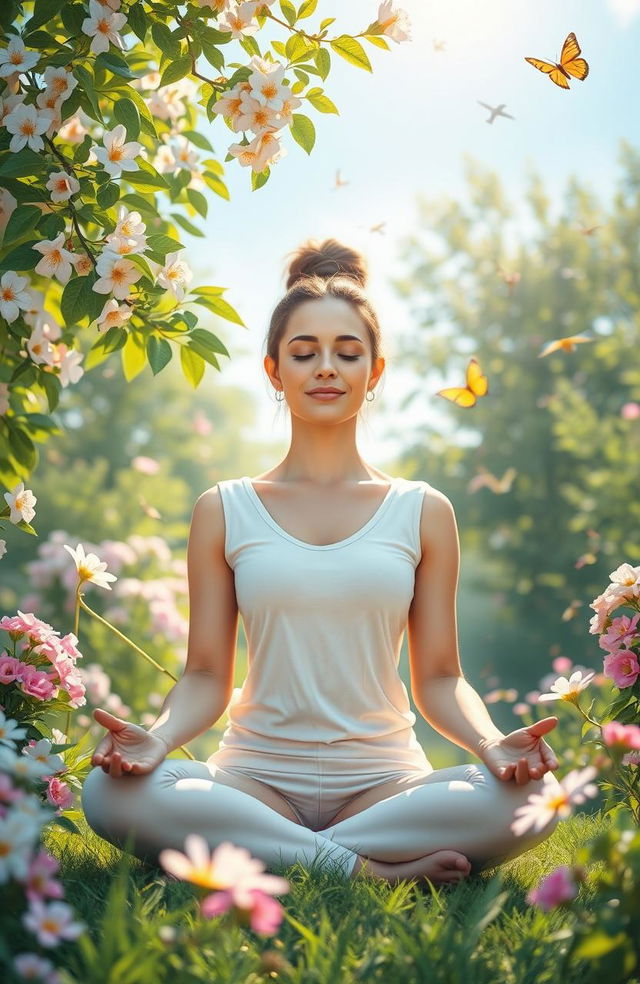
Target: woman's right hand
pixel 126 747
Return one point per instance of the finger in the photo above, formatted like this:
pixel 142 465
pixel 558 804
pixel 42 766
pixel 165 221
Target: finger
pixel 116 765
pixel 522 772
pixel 548 756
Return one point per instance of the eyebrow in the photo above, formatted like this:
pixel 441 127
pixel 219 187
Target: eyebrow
pixel 314 338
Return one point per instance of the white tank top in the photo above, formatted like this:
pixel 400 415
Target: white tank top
pixel 324 627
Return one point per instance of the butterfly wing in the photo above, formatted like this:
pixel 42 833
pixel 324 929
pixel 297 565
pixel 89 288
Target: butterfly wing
pixel 542 66
pixel 476 382
pixel 551 70
pixel 459 395
pixel 570 49
pixel 569 60
pixel 578 68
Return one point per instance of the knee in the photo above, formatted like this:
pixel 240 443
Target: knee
pixel 95 799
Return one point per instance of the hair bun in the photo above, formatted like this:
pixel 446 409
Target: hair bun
pixel 326 259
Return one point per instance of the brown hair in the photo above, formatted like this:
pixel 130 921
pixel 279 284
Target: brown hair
pixel 326 269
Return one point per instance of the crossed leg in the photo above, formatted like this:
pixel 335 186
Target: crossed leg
pixel 463 808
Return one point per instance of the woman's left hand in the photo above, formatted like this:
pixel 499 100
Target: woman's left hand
pixel 523 754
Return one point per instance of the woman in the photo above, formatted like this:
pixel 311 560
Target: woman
pixel 328 560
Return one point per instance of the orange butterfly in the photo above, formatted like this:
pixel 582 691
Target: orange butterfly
pixel 465 396
pixel 568 65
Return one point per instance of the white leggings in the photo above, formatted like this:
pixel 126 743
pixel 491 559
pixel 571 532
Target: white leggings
pixel 463 808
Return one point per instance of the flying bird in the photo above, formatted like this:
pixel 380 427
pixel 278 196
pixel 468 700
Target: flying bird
pixel 569 64
pixel 567 344
pixel 495 111
pixel 588 230
pixel 510 279
pixel 339 181
pixel 438 45
pixel 497 485
pixel 378 227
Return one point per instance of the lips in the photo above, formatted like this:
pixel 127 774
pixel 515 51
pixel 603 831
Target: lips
pixel 323 389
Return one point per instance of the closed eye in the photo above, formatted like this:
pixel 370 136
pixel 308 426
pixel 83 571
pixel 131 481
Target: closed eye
pixel 350 358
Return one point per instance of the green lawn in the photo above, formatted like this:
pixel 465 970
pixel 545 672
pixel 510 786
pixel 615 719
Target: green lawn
pixel 335 930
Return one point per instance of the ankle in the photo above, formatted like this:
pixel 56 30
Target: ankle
pixel 367 866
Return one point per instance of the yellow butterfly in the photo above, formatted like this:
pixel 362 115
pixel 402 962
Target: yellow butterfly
pixel 465 396
pixel 568 65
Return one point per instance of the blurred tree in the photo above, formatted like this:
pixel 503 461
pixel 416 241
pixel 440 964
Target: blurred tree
pixel 558 420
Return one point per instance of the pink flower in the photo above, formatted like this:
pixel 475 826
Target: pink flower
pixel 35 628
pixel 37 683
pixel 622 667
pixel 622 735
pixel 561 664
pixel 59 793
pixel 38 882
pixel 263 913
pixel 556 888
pixel 620 632
pixel 32 967
pixel 52 923
pixel 9 668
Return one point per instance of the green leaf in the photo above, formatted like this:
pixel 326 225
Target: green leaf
pixel 208 291
pixel 145 178
pixel 115 64
pixel 87 84
pixel 201 350
pixel 176 70
pixel 164 39
pixel 133 355
pixel 352 51
pixel 126 112
pixel 192 365
pixel 21 165
pixel 23 257
pixel 43 11
pixel 321 102
pixel 377 41
pixel 73 14
pixel 186 225
pixel 208 340
pixel 216 184
pixel 322 58
pixel 159 353
pixel 158 246
pixel 23 219
pixel 197 139
pixel 197 199
pixel 21 445
pixel 107 195
pixel 137 20
pixel 307 8
pixel 52 387
pixel 79 300
pixel 303 131
pixel 220 307
pixel 289 11
pixel 23 192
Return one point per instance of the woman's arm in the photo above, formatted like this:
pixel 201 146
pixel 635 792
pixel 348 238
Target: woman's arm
pixel 200 697
pixel 438 685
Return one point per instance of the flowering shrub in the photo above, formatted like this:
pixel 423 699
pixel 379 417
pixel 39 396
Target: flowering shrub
pixel 100 103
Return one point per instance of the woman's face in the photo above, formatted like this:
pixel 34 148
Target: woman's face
pixel 325 344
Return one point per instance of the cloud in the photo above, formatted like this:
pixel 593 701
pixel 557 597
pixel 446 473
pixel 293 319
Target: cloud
pixel 624 10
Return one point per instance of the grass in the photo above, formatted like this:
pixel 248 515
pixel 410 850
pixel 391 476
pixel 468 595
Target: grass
pixel 335 931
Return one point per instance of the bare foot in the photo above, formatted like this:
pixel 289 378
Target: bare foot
pixel 441 867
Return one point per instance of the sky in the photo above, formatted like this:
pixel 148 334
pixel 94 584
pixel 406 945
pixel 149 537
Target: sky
pixel 402 134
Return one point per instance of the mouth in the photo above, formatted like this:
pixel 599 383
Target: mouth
pixel 325 395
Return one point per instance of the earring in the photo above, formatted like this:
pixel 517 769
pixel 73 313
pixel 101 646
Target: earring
pixel 373 396
pixel 281 397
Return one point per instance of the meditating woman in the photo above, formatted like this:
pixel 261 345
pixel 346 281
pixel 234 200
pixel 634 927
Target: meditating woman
pixel 328 560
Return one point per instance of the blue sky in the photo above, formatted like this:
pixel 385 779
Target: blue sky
pixel 402 133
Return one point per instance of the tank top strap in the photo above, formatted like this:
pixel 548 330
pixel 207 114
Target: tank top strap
pixel 401 523
pixel 240 520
